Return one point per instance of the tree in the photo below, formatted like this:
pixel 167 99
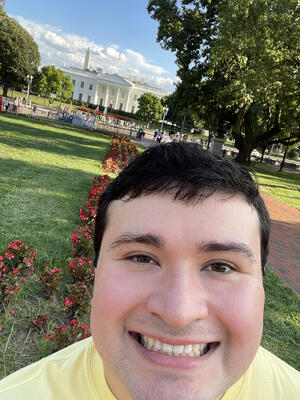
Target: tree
pixel 150 108
pixel 238 61
pixel 52 82
pixel 19 54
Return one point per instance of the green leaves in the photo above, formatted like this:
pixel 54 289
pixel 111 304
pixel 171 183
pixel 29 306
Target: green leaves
pixel 19 54
pixel 150 108
pixel 52 81
pixel 238 60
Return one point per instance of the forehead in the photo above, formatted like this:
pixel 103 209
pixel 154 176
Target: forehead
pixel 217 217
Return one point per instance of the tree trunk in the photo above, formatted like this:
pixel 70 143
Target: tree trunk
pixel 283 160
pixel 5 90
pixel 245 143
pixel 262 154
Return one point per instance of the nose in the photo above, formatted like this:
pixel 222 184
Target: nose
pixel 179 300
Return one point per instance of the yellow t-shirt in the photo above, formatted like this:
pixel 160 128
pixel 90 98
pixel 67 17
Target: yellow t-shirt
pixel 76 373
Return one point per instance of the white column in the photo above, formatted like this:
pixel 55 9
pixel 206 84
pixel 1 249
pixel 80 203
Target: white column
pixel 106 97
pixel 117 99
pixel 127 102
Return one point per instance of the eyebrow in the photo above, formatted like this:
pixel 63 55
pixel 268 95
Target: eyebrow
pixel 157 241
pixel 231 246
pixel 148 238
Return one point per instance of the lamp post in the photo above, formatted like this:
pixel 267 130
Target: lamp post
pixel 165 112
pixel 29 81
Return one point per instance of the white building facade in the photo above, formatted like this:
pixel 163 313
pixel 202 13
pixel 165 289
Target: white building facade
pixel 108 90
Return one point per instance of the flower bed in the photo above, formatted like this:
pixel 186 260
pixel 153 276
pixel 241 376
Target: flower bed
pixel 120 152
pixel 18 262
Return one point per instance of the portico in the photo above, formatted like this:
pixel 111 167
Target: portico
pixel 108 90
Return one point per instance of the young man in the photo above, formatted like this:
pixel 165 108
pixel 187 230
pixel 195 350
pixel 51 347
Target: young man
pixel 171 137
pixel 181 241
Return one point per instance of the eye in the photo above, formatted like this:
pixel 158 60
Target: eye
pixel 219 267
pixel 142 259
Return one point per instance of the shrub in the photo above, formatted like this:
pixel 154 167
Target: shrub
pixel 68 334
pixel 51 279
pixel 78 299
pixel 82 269
pixel 16 263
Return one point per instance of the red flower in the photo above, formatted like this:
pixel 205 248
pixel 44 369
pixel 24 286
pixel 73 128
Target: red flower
pixel 68 302
pixel 74 238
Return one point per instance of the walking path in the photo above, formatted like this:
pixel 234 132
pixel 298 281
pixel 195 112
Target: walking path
pixel 284 256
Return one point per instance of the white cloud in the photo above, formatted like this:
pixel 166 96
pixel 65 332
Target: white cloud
pixel 60 48
pixel 141 62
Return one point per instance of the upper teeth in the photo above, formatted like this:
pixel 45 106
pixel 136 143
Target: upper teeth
pixel 188 350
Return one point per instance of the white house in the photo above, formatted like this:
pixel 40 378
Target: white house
pixel 108 90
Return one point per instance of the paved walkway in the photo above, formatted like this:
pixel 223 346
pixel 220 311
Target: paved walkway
pixel 284 256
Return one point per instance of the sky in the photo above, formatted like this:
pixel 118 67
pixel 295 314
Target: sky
pixel 121 34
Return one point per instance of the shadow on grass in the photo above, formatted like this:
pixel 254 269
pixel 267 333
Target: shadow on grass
pixel 40 201
pixel 280 187
pixel 40 205
pixel 52 139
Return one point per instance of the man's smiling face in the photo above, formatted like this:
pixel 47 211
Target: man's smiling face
pixel 178 300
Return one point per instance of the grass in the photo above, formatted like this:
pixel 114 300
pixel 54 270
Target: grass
pixel 281 320
pixel 41 101
pixel 284 186
pixel 46 171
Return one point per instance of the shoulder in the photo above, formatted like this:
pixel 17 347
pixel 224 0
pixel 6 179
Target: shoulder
pixel 43 379
pixel 268 377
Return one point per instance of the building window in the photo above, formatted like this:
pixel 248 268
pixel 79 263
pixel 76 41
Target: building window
pixel 73 81
pixel 121 106
pixel 103 89
pixel 89 99
pixel 80 97
pixel 101 102
pixel 82 84
pixel 135 97
pixel 123 95
pixel 91 87
pixel 113 92
pixel 132 110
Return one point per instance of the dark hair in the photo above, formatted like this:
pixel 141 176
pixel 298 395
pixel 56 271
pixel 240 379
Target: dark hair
pixel 190 174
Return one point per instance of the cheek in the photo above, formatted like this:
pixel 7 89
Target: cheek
pixel 241 311
pixel 115 295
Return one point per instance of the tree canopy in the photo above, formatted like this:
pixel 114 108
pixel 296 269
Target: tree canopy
pixel 150 108
pixel 19 54
pixel 51 81
pixel 238 62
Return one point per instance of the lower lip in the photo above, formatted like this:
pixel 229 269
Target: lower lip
pixel 179 362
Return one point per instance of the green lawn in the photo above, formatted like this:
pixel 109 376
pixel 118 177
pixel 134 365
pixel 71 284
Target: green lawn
pixel 46 173
pixel 284 186
pixel 41 101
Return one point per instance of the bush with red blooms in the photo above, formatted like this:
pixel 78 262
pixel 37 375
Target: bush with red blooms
pixel 89 211
pixel 51 279
pixel 120 152
pixel 68 334
pixel 82 269
pixel 78 299
pixel 16 263
pixel 82 242
pixel 39 323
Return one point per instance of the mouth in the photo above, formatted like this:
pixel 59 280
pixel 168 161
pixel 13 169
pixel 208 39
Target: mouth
pixel 186 350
